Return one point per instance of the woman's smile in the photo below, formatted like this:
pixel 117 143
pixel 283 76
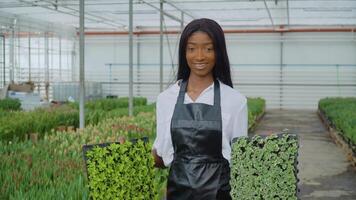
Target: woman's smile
pixel 199 65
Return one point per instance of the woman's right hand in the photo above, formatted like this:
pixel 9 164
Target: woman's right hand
pixel 158 160
pixel 122 139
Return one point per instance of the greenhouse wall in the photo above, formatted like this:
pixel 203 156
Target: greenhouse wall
pixel 37 59
pixel 289 70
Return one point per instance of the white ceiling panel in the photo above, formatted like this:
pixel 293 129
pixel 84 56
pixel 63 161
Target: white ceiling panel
pixel 113 14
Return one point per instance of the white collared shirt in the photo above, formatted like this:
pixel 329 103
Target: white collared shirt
pixel 233 111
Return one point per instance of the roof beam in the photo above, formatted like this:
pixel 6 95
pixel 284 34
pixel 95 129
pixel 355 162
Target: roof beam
pixel 164 13
pixel 269 13
pixel 102 19
pixel 176 7
pixel 288 17
pixel 99 20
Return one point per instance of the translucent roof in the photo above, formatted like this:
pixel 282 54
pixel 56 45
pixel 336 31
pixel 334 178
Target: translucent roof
pixel 113 15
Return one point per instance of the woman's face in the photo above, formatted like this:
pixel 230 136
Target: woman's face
pixel 200 54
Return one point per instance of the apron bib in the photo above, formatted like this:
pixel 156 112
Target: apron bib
pixel 198 170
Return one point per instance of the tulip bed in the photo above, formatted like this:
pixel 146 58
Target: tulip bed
pixel 53 167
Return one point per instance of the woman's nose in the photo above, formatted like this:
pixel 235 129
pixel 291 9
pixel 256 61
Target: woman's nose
pixel 200 54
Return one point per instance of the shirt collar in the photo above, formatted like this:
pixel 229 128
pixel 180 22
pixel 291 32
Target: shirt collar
pixel 206 89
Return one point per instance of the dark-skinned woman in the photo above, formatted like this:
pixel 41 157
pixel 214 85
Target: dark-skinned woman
pixel 199 116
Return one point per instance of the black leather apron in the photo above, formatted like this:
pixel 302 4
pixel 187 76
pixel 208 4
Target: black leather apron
pixel 198 170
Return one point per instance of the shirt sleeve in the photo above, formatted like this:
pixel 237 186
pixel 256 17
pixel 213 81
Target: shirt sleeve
pixel 240 121
pixel 163 143
pixel 158 143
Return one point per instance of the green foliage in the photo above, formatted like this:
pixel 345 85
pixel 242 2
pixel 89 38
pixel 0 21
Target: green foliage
pixel 95 116
pixel 342 114
pixel 42 121
pixel 18 124
pixel 38 171
pixel 53 167
pixel 3 113
pixel 124 171
pixel 256 106
pixel 264 168
pixel 10 104
pixel 111 104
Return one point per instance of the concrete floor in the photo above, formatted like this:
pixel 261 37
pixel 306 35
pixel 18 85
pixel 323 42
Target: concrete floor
pixel 324 172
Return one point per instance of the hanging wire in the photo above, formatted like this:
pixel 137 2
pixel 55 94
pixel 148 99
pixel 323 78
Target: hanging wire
pixel 174 71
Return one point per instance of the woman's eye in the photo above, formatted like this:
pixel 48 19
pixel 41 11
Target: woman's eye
pixel 190 48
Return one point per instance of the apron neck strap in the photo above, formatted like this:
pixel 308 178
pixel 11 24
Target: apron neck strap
pixel 183 88
pixel 216 93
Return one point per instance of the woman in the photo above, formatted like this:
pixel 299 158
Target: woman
pixel 199 116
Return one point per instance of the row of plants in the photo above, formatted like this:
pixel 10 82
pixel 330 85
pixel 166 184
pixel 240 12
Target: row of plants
pixel 111 104
pixel 8 104
pixel 256 107
pixel 341 112
pixel 95 116
pixel 41 121
pixel 19 124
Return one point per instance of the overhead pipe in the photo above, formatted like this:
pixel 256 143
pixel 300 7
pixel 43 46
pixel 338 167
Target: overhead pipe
pixel 29 34
pixel 230 31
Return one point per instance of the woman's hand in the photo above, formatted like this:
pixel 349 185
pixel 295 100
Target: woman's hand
pixel 158 160
pixel 122 139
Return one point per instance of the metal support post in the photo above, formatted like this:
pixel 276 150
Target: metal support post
pixel 12 54
pixel 29 56
pixel 60 58
pixel 131 58
pixel 138 66
pixel 46 65
pixel 161 48
pixel 81 62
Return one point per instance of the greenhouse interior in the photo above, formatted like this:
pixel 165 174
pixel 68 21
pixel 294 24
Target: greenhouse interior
pixel 79 82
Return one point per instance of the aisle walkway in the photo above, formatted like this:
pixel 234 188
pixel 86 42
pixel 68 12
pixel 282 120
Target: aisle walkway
pixel 324 172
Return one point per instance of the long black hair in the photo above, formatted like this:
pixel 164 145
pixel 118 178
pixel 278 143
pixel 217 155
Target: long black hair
pixel 221 69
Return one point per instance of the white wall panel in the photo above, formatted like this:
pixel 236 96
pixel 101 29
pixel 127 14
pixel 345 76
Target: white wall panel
pixel 295 74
